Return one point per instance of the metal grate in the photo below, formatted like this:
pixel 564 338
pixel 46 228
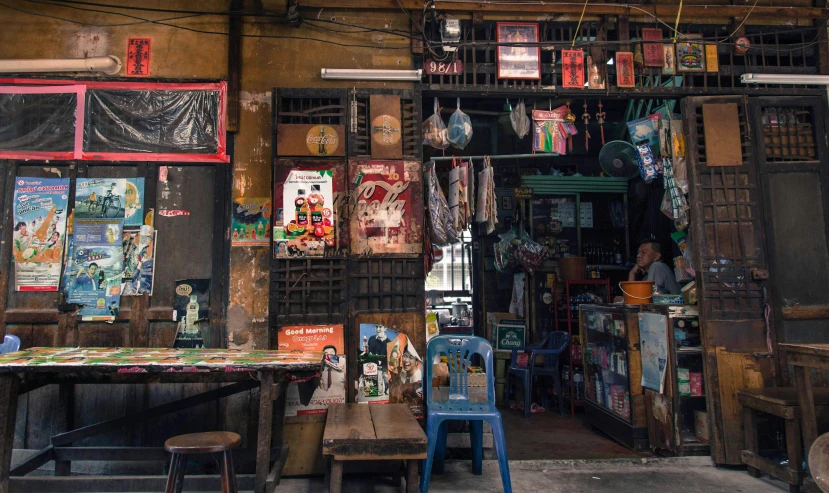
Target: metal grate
pixel 788 134
pixel 411 122
pixel 314 106
pixel 772 50
pixel 390 284
pixel 728 210
pixel 308 291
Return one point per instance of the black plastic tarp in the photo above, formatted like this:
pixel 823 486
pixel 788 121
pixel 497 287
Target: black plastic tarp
pixel 37 122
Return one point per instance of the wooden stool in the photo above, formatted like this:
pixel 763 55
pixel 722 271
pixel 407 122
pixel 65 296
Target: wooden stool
pixel 384 432
pixel 781 402
pixel 202 443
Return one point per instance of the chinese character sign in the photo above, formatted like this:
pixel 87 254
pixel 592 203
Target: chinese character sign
pixel 138 57
pixel 624 70
pixel 572 62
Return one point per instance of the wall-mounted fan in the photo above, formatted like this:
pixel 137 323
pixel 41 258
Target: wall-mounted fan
pixel 618 158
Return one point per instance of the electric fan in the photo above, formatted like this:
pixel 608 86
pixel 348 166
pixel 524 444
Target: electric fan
pixel 618 158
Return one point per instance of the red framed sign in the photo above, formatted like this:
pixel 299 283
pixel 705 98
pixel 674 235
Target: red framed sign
pixel 572 65
pixel 515 61
pixel 79 149
pixel 138 57
pixel 652 51
pixel 625 75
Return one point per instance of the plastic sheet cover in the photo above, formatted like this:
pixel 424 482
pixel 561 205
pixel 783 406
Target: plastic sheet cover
pixel 152 121
pixel 37 122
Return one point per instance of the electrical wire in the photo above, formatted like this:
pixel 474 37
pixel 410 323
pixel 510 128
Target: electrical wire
pixel 676 24
pixel 202 31
pixel 576 35
pixel 745 18
pixel 140 19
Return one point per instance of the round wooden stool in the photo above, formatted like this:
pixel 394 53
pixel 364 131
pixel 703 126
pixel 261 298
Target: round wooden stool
pixel 202 443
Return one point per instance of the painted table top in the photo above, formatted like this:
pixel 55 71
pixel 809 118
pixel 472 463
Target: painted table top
pixel 155 359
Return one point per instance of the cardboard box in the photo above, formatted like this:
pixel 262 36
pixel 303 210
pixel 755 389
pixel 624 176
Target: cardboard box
pixel 493 318
pixel 701 426
pixel 510 334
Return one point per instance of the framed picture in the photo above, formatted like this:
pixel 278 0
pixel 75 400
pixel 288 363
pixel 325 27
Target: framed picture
pixel 518 62
pixel 690 54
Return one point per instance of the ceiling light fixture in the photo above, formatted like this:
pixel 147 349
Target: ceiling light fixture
pixel 371 74
pixel 815 80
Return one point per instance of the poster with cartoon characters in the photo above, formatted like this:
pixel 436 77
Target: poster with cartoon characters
pixel 39 212
pixel 113 198
pixel 389 365
pixel 93 273
pixel 307 214
pixel 251 222
pixel 312 395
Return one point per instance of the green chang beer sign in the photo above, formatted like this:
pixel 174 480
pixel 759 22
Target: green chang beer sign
pixel 510 334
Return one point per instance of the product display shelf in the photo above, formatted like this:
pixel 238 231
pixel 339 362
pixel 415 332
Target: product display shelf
pixel 677 418
pixel 614 401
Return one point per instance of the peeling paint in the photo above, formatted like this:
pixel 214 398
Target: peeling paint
pixel 255 101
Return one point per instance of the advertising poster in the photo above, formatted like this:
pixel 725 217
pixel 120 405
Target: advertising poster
pixel 307 214
pixel 251 222
pixel 113 198
pixel 389 366
pixel 191 312
pixel 139 261
pixel 386 207
pixel 690 55
pixel 653 337
pixel 93 274
pixel 39 232
pixel 313 396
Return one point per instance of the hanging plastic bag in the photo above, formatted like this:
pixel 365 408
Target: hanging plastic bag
pixel 504 260
pixel 529 253
pixel 443 229
pixel 460 128
pixel 520 120
pixel 434 131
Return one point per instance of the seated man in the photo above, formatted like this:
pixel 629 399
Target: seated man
pixel 649 268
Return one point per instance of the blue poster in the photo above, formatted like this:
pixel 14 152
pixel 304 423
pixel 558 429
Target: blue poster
pixel 39 212
pixel 93 274
pixel 112 198
pixel 653 337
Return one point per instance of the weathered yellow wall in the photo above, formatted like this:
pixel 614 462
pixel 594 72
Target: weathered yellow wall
pixel 182 54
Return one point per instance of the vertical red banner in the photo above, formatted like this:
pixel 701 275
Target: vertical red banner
pixel 624 70
pixel 138 57
pixel 572 63
pixel 653 51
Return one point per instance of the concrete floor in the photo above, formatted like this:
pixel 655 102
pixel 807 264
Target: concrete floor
pixel 549 435
pixel 675 475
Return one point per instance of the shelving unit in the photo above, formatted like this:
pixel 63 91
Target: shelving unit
pixel 671 415
pixel 572 289
pixel 614 401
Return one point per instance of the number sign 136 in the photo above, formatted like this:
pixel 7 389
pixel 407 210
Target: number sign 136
pixel 433 67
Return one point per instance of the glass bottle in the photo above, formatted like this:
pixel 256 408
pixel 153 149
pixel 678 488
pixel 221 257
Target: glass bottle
pixel 301 204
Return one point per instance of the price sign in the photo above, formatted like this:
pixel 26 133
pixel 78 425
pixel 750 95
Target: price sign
pixel 433 67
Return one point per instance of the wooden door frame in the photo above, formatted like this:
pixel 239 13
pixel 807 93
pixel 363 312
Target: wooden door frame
pixel 818 105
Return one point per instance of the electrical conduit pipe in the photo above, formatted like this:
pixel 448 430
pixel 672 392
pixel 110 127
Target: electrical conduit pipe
pixel 109 65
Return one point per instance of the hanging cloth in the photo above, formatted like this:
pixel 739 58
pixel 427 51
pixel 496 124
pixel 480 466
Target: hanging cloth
pixel 487 201
pixel 470 189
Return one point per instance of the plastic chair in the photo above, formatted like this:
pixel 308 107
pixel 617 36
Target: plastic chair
pixel 460 349
pixel 551 348
pixel 10 344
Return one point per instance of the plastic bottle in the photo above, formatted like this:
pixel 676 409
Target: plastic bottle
pixel 301 204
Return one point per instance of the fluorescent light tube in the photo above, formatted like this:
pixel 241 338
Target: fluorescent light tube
pixel 371 74
pixel 818 80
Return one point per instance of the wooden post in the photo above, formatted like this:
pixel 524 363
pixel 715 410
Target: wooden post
pixel 823 42
pixel 623 27
pixel 412 481
pixel 336 476
pixel 263 442
pixel 65 422
pixel 805 396
pixel 752 445
pixel 234 66
pixel 9 384
pixel 794 447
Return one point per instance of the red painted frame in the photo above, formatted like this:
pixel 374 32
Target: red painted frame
pixel 50 86
pixel 498 50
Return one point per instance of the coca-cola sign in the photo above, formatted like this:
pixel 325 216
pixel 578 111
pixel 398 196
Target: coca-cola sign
pixel 322 140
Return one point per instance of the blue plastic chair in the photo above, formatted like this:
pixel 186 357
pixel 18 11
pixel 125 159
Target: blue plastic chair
pixel 460 350
pixel 10 344
pixel 551 348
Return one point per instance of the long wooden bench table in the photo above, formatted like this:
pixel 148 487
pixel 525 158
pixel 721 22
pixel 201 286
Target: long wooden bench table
pixel 355 432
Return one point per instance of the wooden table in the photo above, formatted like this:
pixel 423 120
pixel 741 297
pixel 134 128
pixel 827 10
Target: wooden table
pixel 372 432
pixel 25 371
pixel 804 357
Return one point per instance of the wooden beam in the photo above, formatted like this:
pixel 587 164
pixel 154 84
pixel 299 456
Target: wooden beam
pixel 805 312
pixel 234 66
pixel 187 402
pixel 662 11
pixel 276 470
pixel 32 463
pixel 823 42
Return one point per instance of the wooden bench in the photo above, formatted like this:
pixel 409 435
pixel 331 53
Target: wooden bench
pixel 355 432
pixel 783 403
